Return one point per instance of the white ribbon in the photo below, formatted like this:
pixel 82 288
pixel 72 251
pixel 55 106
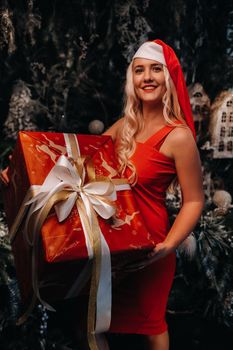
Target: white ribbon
pixel 64 176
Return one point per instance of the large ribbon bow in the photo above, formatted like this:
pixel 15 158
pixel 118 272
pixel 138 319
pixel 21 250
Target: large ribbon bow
pixel 69 179
pixel 72 183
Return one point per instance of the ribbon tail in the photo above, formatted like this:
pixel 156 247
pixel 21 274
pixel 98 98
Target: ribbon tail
pixel 25 316
pixel 35 223
pixel 86 227
pixel 101 342
pixel 22 211
pixel 99 307
pixel 81 281
pixel 104 294
pixel 91 317
pixel 63 208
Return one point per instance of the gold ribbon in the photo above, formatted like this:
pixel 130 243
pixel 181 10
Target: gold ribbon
pixel 70 182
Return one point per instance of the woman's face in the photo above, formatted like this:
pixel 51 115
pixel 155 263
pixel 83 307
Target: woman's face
pixel 148 80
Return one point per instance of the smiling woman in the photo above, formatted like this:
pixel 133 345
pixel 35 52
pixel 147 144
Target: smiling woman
pixel 148 80
pixel 155 144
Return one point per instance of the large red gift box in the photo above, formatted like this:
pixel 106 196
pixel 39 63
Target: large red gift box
pixel 61 250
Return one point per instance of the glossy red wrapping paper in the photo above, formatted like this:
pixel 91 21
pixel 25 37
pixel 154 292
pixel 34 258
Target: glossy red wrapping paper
pixel 62 250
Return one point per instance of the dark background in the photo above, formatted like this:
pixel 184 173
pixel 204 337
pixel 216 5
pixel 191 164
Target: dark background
pixel 62 65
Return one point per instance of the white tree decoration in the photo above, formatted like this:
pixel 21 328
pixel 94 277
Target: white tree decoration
pixel 221 125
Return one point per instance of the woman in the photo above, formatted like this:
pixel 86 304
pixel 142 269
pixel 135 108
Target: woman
pixel 155 143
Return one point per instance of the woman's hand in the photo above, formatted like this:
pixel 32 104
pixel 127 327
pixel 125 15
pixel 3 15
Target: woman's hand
pixel 4 177
pixel 160 251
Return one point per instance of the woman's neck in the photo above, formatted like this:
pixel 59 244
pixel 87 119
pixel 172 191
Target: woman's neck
pixel 153 113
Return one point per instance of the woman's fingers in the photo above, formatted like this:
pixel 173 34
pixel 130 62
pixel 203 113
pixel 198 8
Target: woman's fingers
pixel 4 178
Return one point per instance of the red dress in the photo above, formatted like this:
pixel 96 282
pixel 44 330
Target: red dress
pixel 139 301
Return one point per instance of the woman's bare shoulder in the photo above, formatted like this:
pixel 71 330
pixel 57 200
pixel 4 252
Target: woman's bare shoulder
pixel 114 129
pixel 181 136
pixel 181 143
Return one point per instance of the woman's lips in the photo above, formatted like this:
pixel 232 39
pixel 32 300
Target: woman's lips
pixel 149 88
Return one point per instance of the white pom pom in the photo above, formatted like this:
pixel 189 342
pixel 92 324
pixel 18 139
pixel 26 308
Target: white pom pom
pixel 188 246
pixel 96 126
pixel 222 199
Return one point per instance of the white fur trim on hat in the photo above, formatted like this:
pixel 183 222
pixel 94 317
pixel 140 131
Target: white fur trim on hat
pixel 151 51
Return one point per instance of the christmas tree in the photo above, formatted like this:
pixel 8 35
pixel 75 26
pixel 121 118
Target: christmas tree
pixel 63 69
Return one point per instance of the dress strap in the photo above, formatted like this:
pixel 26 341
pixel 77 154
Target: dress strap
pixel 162 134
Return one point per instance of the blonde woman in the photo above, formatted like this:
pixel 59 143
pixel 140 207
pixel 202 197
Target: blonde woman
pixel 155 144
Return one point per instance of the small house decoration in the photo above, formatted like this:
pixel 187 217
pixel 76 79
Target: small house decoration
pixel 200 103
pixel 221 125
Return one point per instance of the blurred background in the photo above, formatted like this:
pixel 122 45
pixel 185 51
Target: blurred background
pixel 62 68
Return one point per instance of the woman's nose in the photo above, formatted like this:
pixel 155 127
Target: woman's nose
pixel 147 75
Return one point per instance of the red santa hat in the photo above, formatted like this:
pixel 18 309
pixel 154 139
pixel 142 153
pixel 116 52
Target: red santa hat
pixel 158 51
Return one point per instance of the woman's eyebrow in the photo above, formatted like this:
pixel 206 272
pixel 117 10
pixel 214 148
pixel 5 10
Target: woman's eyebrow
pixel 156 64
pixel 151 65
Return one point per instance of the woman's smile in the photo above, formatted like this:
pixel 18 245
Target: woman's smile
pixel 149 88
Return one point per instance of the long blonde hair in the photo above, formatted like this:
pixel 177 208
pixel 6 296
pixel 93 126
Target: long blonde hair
pixel 134 123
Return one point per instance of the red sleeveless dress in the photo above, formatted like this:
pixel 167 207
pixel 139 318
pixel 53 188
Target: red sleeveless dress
pixel 139 301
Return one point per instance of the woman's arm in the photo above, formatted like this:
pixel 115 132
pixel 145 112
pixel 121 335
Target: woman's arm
pixel 188 167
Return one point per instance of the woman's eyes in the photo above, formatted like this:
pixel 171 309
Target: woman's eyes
pixel 157 68
pixel 153 68
pixel 138 70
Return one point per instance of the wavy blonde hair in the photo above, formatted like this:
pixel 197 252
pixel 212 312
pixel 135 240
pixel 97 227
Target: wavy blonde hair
pixel 134 123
